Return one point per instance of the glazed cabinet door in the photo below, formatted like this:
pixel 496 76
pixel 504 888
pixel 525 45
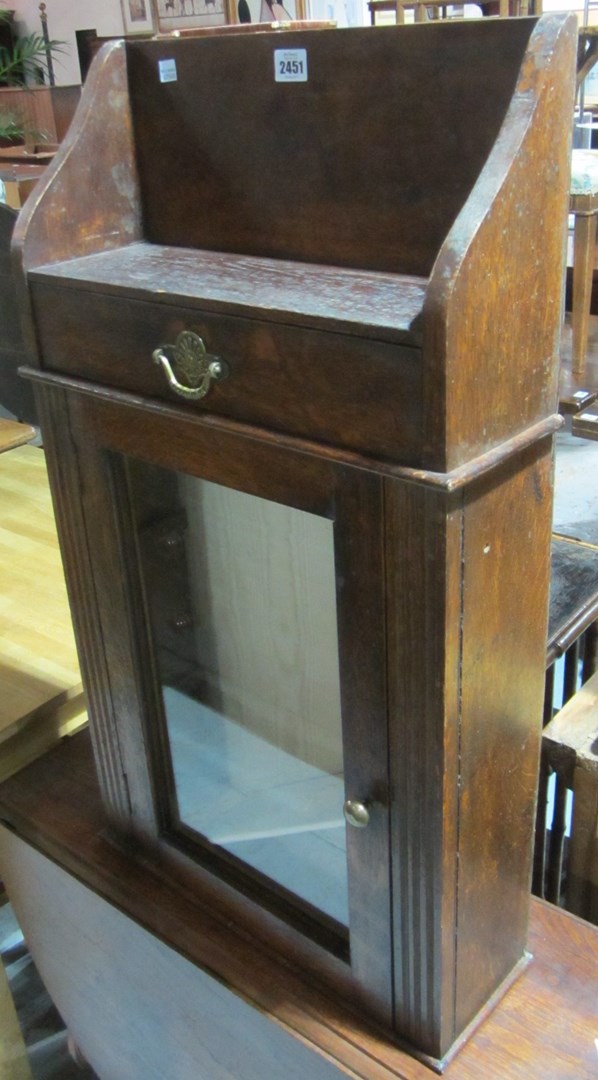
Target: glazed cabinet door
pixel 240 717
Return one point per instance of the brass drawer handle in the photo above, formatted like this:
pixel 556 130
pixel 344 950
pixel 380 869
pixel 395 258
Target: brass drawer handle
pixel 191 363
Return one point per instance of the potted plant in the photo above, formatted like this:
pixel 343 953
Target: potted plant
pixel 18 63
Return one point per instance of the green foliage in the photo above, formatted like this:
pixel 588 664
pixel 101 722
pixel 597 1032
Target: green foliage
pixel 10 126
pixel 21 62
pixel 25 58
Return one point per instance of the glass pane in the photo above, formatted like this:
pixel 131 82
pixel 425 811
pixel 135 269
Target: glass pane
pixel 243 607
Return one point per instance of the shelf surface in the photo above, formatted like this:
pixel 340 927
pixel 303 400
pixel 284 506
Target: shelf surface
pixel 379 305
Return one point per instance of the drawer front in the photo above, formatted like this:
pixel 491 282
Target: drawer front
pixel 335 388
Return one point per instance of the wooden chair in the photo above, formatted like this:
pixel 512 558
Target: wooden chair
pixel 573 646
pixel 432 10
pixel 585 424
pixel 570 748
pixel 583 204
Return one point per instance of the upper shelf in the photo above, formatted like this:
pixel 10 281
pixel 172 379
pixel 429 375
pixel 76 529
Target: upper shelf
pixel 384 306
pixel 412 187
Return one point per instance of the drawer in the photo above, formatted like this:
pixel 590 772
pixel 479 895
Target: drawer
pixel 335 388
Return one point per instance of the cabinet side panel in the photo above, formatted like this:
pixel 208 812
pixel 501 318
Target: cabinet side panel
pixel 88 199
pixel 424 597
pixel 94 175
pixel 492 318
pixel 66 487
pixel 506 579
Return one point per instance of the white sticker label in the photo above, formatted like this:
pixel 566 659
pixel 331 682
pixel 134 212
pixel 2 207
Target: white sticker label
pixel 290 65
pixel 581 394
pixel 167 70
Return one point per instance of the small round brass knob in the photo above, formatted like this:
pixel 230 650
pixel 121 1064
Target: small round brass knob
pixel 356 813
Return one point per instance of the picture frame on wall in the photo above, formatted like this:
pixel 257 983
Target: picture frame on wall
pixel 138 17
pixel 268 11
pixel 192 14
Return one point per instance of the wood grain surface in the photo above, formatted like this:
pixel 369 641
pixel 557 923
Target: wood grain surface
pixel 135 760
pixel 260 1013
pixel 573 593
pixel 292 173
pixel 13 434
pixel 491 356
pixel 373 420
pixel 298 379
pixel 573 732
pixel 323 297
pixel 16 394
pixel 38 659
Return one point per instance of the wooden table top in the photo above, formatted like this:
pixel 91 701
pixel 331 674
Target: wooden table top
pixel 13 434
pixel 40 670
pixel 573 593
pixel 544 1027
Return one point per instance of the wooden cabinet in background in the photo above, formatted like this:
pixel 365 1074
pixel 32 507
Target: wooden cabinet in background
pixel 44 111
pixel 298 390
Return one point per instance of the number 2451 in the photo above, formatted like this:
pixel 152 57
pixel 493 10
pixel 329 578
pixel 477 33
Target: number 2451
pixel 291 67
